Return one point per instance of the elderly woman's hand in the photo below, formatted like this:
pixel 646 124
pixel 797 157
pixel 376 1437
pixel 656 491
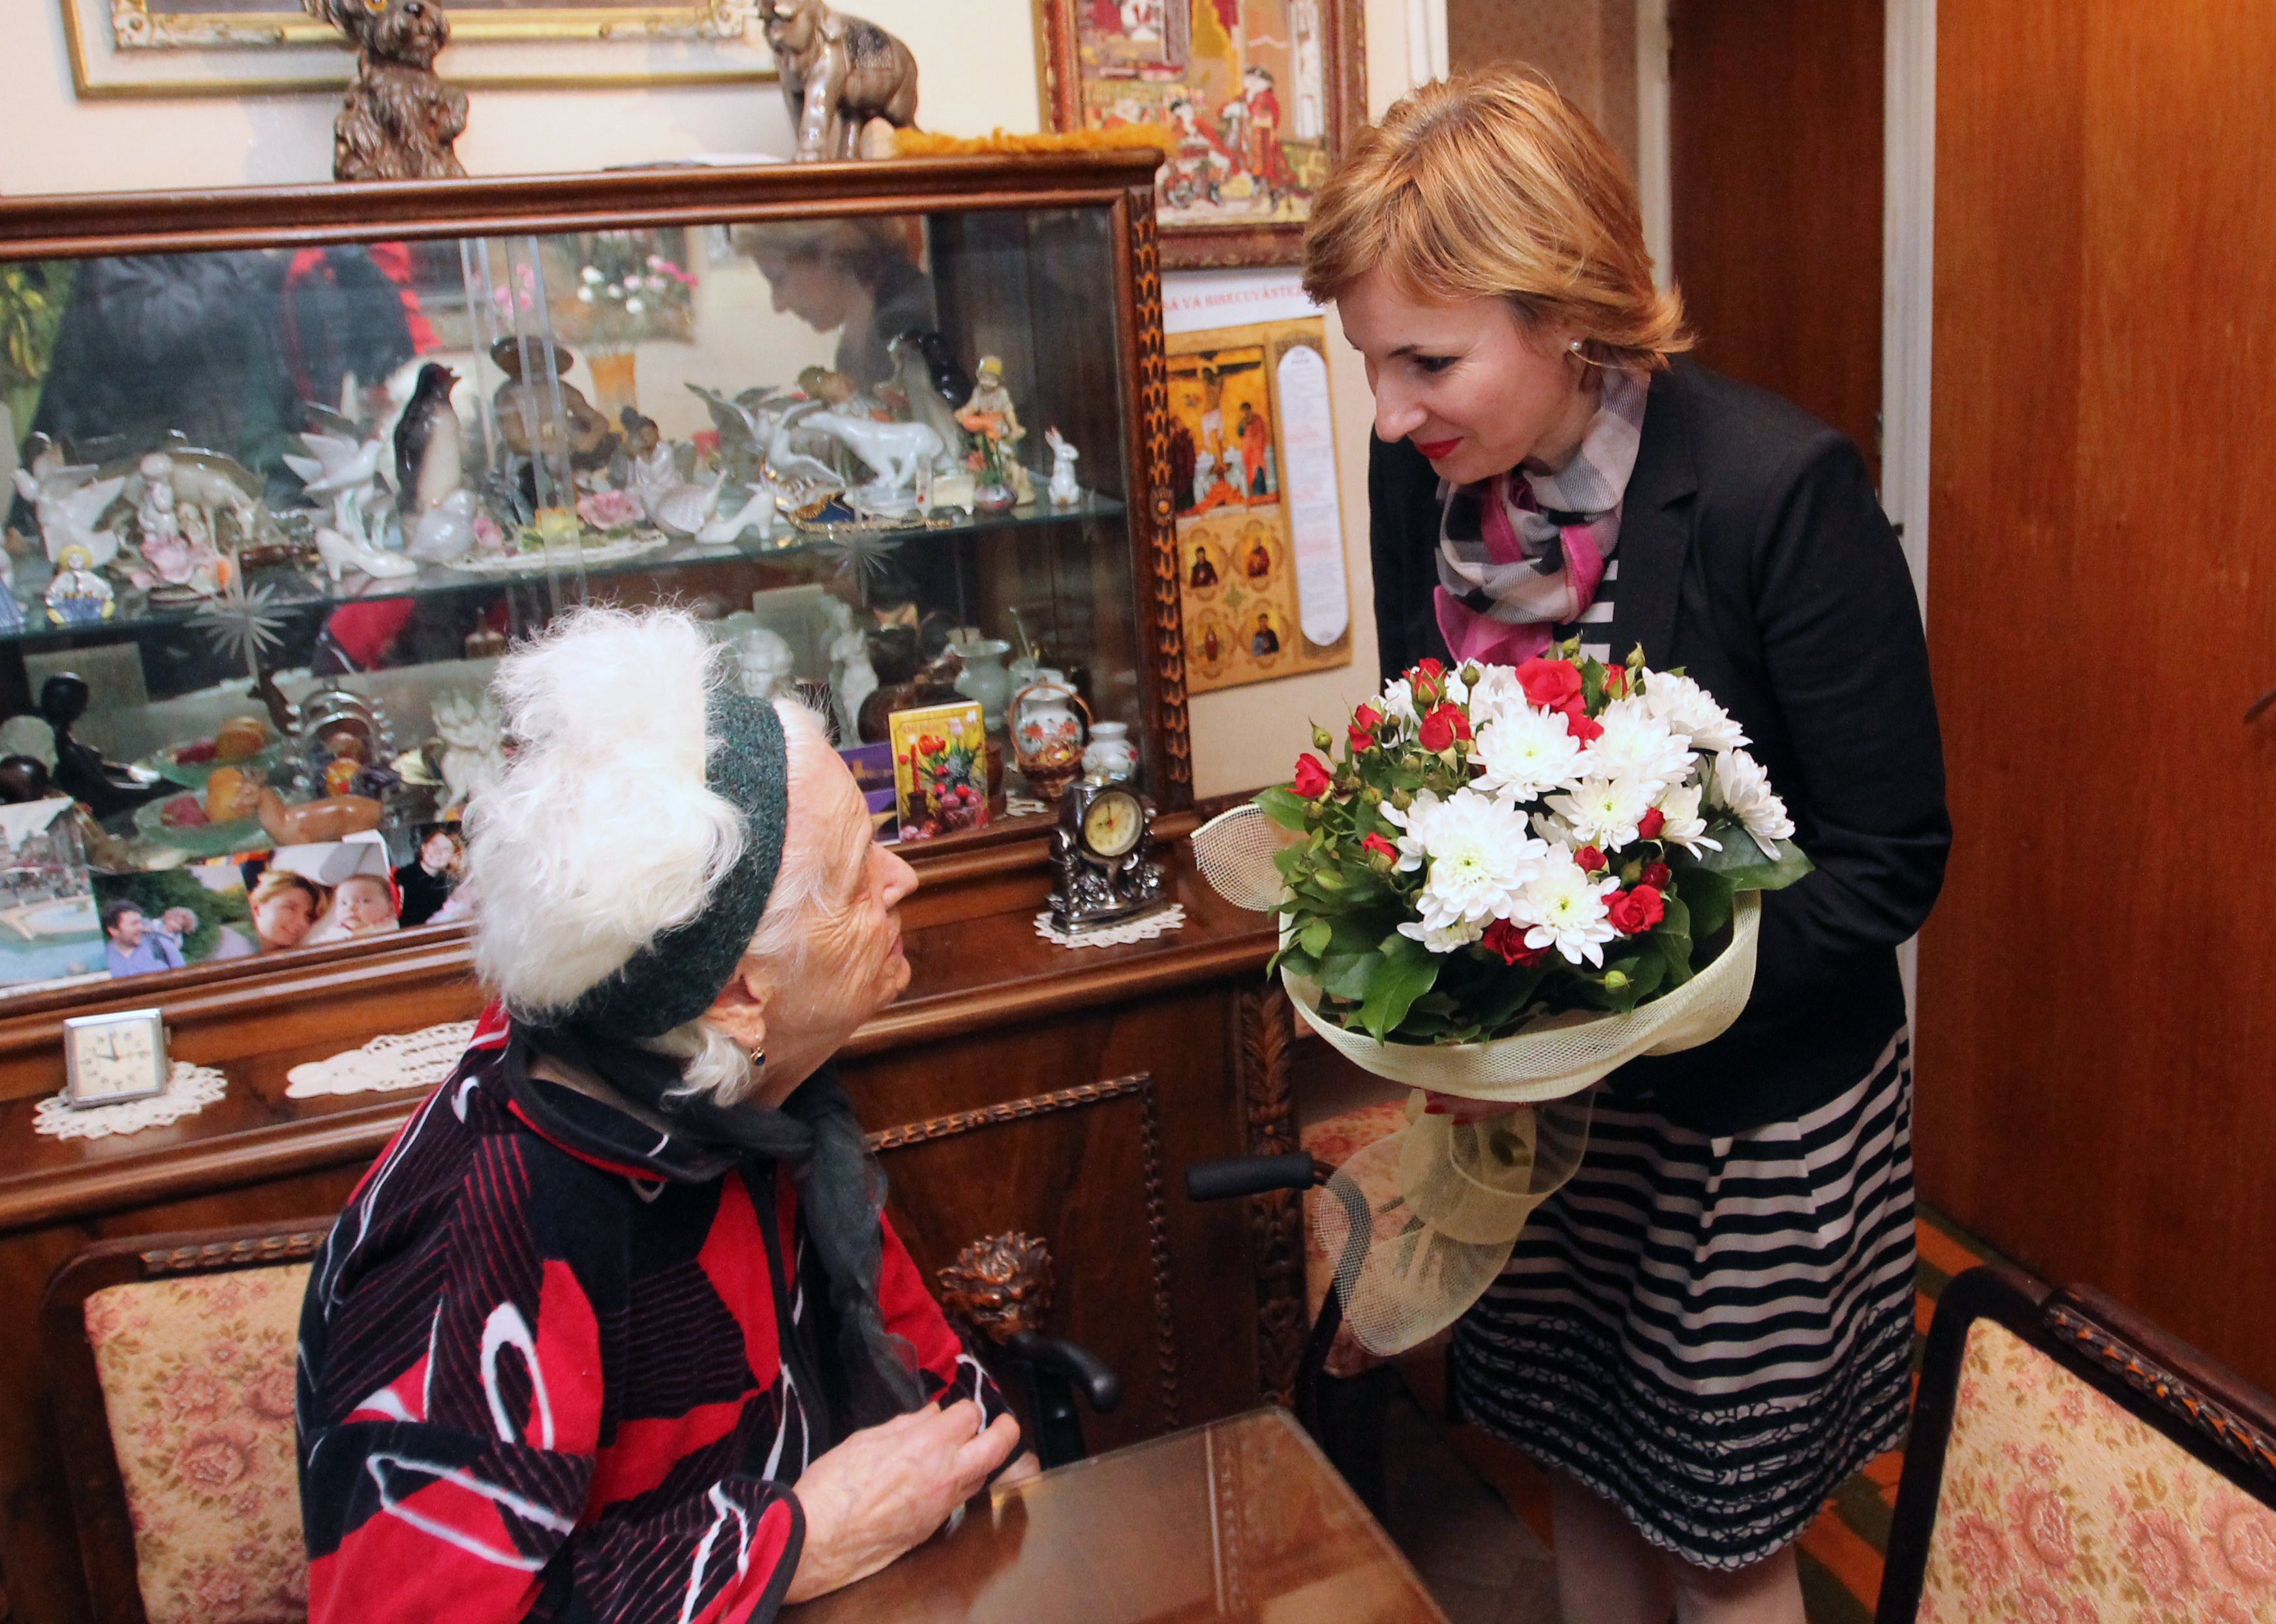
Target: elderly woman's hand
pixel 885 1490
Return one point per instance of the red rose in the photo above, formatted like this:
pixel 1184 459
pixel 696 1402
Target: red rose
pixel 1508 940
pixel 1650 824
pixel 1312 779
pixel 1553 685
pixel 1582 725
pixel 1591 860
pixel 1655 875
pixel 1377 846
pixel 1616 682
pixel 1634 912
pixel 1443 726
pixel 1364 721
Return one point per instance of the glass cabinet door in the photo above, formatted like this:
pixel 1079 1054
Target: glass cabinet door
pixel 276 511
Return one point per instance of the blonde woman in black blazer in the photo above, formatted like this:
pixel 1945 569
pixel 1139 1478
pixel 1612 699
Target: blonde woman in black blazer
pixel 1709 1329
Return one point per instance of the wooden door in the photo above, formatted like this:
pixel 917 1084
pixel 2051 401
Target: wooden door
pixel 1775 124
pixel 2097 1027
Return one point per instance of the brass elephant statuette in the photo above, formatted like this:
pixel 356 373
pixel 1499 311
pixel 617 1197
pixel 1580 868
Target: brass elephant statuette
pixel 838 73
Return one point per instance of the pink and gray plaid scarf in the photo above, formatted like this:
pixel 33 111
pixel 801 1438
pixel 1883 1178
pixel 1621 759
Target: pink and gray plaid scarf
pixel 1522 552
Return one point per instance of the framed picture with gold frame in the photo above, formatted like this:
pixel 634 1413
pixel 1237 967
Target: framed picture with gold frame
pixel 1259 97
pixel 177 48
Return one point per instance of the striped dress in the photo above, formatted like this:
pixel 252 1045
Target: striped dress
pixel 1711 1333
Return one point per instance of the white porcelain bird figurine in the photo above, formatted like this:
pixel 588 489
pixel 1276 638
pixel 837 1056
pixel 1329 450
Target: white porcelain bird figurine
pixel 67 511
pixel 336 463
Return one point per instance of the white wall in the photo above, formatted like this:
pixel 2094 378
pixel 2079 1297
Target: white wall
pixel 975 62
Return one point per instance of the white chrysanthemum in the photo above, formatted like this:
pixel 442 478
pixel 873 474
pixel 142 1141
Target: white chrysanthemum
pixel 1497 693
pixel 1691 710
pixel 1479 856
pixel 1684 826
pixel 1457 690
pixel 1743 786
pixel 1604 812
pixel 1445 939
pixel 1398 702
pixel 1524 752
pixel 1565 909
pixel 1635 744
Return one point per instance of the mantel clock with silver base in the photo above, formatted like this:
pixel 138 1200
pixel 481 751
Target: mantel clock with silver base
pixel 1102 858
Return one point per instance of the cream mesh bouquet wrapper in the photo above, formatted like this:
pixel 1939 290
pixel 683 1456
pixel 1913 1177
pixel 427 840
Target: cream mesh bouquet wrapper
pixel 1406 1271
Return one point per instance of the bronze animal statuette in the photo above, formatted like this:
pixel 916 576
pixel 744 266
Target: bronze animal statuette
pixel 838 73
pixel 399 119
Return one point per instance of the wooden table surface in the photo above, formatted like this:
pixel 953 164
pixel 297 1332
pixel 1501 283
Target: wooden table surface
pixel 1240 1520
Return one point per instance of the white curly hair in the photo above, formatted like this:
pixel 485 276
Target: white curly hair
pixel 602 833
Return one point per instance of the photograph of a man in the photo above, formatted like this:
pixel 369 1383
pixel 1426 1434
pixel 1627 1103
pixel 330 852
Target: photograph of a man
pixel 133 946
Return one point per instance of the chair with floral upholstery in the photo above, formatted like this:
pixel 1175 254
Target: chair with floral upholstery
pixel 2071 1463
pixel 173 1361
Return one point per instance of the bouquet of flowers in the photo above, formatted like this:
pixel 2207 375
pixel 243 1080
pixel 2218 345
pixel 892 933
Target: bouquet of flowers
pixel 1502 884
pixel 1492 845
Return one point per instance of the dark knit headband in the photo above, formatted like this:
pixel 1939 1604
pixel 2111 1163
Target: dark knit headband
pixel 676 976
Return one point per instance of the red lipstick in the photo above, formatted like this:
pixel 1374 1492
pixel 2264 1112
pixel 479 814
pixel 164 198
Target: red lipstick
pixel 1436 449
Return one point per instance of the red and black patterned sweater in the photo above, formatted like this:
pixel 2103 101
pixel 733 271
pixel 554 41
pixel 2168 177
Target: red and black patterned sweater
pixel 540 1384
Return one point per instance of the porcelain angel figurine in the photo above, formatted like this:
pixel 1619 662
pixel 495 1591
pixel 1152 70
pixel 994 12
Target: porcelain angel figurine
pixel 473 744
pixel 851 678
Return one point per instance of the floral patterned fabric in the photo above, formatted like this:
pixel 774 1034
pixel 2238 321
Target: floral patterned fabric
pixel 2059 1507
pixel 197 1379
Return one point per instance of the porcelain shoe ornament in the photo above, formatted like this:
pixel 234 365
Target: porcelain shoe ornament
pixel 757 513
pixel 343 545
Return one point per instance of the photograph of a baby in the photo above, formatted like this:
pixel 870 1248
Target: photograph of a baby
pixel 356 882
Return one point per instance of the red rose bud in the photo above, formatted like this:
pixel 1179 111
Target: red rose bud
pixel 1436 732
pixel 1375 846
pixel 1553 685
pixel 1656 874
pixel 1364 721
pixel 1650 824
pixel 1591 860
pixel 1428 682
pixel 1507 940
pixel 1312 777
pixel 1634 912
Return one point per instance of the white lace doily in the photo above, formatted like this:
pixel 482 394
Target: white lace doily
pixel 390 1061
pixel 1145 930
pixel 189 1089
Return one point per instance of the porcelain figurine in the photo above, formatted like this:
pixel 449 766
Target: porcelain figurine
pixel 990 414
pixel 177 558
pixel 80 770
pixel 894 451
pixel 207 484
pixel 914 370
pixel 838 73
pixel 521 403
pixel 984 678
pixel 473 733
pixel 764 664
pixel 68 500
pixel 1047 735
pixel 673 505
pixel 429 448
pixel 851 678
pixel 756 513
pixel 445 532
pixel 78 596
pixel 337 462
pixel 399 119
pixel 1064 490
pixel 345 544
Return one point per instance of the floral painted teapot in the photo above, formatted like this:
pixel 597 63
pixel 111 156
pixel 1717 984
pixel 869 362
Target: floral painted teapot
pixel 1047 735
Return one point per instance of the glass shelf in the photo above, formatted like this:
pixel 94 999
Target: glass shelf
pixel 297 591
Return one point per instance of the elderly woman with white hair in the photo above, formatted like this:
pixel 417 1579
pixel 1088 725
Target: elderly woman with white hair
pixel 616 1329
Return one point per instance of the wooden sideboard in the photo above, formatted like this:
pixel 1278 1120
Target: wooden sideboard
pixel 1016 1086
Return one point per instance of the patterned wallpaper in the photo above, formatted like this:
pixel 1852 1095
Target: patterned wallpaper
pixel 1586 47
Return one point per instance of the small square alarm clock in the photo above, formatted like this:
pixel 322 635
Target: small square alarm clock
pixel 119 1056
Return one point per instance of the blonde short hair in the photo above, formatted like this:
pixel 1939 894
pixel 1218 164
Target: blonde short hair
pixel 1491 184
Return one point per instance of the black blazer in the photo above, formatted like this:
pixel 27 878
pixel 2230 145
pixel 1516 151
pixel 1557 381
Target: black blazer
pixel 1754 555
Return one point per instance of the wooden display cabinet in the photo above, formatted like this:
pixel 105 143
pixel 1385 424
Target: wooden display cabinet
pixel 1017 1085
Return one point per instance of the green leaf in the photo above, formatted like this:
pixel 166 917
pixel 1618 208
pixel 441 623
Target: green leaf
pixel 1671 936
pixel 1708 895
pixel 1349 975
pixel 1409 970
pixel 1284 806
pixel 1314 937
pixel 1742 861
pixel 1298 962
